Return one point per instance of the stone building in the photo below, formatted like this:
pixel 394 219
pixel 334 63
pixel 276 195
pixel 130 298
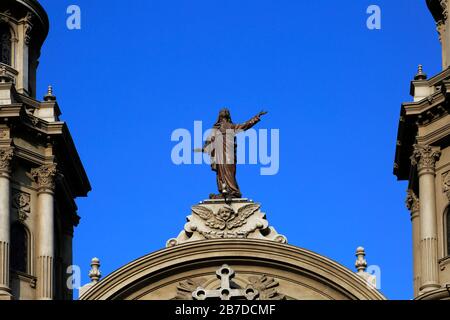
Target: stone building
pixel 40 171
pixel 227 249
pixel 423 158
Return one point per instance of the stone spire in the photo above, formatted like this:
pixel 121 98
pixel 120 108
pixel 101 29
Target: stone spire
pixel 49 96
pixel 420 74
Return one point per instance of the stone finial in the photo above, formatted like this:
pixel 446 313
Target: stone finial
pixel 361 263
pixel 95 273
pixel 361 266
pixel 420 74
pixel 49 96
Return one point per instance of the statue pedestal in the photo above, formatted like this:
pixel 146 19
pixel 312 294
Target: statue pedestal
pixel 220 219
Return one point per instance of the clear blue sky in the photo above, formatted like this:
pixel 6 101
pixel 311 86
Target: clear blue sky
pixel 140 69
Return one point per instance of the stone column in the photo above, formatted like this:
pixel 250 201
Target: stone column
pixel 6 155
pixel 425 157
pixel 45 179
pixel 413 204
pixel 22 56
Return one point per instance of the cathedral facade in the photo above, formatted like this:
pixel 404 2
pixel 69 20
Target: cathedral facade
pixel 227 249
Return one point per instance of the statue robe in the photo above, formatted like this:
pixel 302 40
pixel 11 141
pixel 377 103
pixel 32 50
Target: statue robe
pixel 222 148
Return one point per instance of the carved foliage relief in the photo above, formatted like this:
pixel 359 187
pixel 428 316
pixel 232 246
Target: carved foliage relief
pixel 21 202
pixel 446 184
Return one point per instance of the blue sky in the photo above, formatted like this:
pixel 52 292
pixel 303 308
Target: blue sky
pixel 138 70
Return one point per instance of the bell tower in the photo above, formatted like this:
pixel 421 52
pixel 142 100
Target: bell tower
pixel 423 159
pixel 41 173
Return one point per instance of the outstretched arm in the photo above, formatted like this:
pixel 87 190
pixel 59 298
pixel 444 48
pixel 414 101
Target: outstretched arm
pixel 249 124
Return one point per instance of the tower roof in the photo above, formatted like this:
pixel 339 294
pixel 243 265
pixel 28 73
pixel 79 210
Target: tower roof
pixel 21 8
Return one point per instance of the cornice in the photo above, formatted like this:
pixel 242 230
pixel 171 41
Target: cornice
pixel 440 294
pixel 59 133
pixel 31 156
pixel 433 81
pixel 11 110
pixel 435 136
pixel 424 105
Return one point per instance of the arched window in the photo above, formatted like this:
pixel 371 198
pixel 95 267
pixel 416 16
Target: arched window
pixel 19 248
pixel 5 44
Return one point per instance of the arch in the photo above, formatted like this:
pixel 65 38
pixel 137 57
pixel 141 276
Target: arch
pixel 301 274
pixel 6 44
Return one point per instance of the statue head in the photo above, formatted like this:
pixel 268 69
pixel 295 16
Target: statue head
pixel 225 213
pixel 224 115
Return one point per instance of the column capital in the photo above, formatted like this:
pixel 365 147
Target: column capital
pixel 6 155
pixel 44 176
pixel 425 158
pixel 412 203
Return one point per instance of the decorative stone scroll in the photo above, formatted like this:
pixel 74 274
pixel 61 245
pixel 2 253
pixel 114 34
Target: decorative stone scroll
pixel 218 219
pixel 28 27
pixel 6 155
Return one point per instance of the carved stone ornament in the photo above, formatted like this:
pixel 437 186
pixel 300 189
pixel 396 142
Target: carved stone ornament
pixel 444 8
pixel 44 176
pixel 5 16
pixel 4 134
pixel 446 184
pixel 22 203
pixel 256 288
pixel 186 288
pixel 425 157
pixel 217 219
pixel 440 27
pixel 28 28
pixel 412 201
pixel 6 155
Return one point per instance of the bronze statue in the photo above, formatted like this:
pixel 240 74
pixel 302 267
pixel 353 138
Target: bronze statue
pixel 221 147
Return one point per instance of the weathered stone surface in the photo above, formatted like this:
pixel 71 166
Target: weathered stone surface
pixel 272 270
pixel 218 219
